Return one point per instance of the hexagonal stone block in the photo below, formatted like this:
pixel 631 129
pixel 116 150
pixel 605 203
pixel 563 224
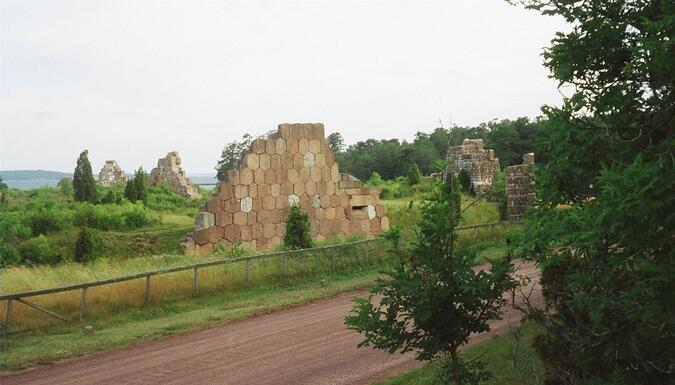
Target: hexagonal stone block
pixel 204 220
pixel 265 161
pixel 251 218
pixel 293 176
pixel 246 204
pixel 315 174
pixel 275 162
pixel 259 176
pixel 308 160
pixel 320 160
pixel 316 201
pixel 335 173
pixel 223 218
pixel 245 177
pixel 286 189
pixel 303 145
pixel 274 189
pixel 299 188
pixel 269 203
pixel 384 223
pixel 231 205
pixel 225 191
pixel 293 200
pixel 292 146
pixel 240 191
pixel 280 146
pixel 252 161
pixel 269 229
pixel 270 145
pixel 370 209
pixel 231 233
pixel 314 146
pixel 213 205
pixel 253 190
pixel 280 229
pixel 200 237
pixel 258 146
pixel 239 218
pixel 233 177
pixel 310 187
pixel 281 202
pixel 270 176
pixel 264 190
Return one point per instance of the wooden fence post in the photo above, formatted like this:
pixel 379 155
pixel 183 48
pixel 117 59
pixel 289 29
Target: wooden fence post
pixel 8 319
pixel 83 302
pixel 195 285
pixel 147 289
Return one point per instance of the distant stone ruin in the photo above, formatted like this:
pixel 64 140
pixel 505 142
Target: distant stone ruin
pixel 111 174
pixel 480 164
pixel 169 171
pixel 520 187
pixel 293 165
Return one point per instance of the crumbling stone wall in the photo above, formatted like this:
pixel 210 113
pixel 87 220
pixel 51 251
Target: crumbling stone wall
pixel 480 164
pixel 293 165
pixel 170 171
pixel 111 174
pixel 520 187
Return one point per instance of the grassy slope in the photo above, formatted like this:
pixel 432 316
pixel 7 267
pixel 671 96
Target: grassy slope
pixel 510 362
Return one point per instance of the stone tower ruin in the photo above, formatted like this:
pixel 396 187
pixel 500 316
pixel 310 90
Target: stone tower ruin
pixel 480 164
pixel 293 165
pixel 520 187
pixel 111 174
pixel 170 171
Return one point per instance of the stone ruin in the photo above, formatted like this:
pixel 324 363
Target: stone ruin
pixel 480 164
pixel 293 165
pixel 169 171
pixel 111 174
pixel 520 187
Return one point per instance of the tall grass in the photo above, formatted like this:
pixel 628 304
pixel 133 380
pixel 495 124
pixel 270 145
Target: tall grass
pixel 108 299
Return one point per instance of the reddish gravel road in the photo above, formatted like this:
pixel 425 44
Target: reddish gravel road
pixel 303 345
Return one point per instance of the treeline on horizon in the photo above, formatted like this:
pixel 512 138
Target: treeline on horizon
pixel 392 158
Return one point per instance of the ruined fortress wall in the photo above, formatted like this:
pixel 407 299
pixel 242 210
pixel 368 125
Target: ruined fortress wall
pixel 520 187
pixel 170 171
pixel 480 164
pixel 295 164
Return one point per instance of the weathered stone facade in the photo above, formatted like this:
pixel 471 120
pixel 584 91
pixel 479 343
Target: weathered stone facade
pixel 111 174
pixel 520 187
pixel 295 164
pixel 169 171
pixel 480 164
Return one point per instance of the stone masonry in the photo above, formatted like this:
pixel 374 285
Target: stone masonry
pixel 169 171
pixel 293 165
pixel 520 187
pixel 480 164
pixel 111 174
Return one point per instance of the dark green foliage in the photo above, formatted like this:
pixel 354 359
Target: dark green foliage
pixel 414 175
pixel 390 158
pixel 608 254
pixel 66 186
pixel 497 194
pixel 431 298
pixel 123 217
pixel 298 235
pixel 109 198
pixel 84 246
pixel 84 184
pixel 141 185
pixel 230 156
pixel 336 142
pixel 464 180
pixel 130 191
pixel 3 192
pixel 46 221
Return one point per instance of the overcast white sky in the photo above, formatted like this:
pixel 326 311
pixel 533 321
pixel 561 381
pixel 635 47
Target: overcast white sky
pixel 132 80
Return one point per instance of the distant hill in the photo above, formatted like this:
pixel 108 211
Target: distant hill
pixel 32 174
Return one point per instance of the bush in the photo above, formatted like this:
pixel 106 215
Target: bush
pixel 297 229
pixel 414 174
pixel 84 246
pixel 38 250
pixel 122 217
pixel 47 221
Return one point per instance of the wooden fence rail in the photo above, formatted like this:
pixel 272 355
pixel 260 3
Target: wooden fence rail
pixel 285 254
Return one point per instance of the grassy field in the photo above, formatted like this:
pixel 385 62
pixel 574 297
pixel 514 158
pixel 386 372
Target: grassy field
pixel 509 357
pixel 160 319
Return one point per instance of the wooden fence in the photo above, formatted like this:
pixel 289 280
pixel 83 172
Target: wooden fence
pixel 21 297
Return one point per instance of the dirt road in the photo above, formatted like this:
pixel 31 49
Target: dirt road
pixel 303 345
